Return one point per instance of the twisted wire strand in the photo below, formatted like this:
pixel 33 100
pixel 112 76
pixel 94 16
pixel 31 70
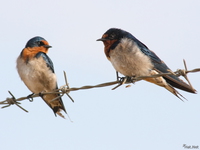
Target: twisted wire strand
pixel 65 89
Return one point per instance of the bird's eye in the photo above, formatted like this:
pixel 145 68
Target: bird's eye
pixel 112 36
pixel 40 43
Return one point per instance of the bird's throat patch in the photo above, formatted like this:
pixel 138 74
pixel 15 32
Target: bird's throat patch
pixel 109 45
pixel 29 53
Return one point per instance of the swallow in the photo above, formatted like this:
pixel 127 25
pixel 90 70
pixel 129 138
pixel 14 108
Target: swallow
pixel 132 58
pixel 36 70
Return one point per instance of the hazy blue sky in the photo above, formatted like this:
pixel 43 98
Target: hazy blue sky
pixel 141 117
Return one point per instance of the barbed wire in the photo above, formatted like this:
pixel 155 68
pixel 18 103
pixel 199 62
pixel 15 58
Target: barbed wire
pixel 65 89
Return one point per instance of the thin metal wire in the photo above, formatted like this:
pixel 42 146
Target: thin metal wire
pixel 65 89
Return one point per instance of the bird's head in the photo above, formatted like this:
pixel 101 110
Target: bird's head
pixel 114 34
pixel 112 37
pixel 38 42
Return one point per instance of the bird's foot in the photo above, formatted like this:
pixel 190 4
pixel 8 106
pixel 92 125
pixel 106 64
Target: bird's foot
pixel 123 80
pixel 30 98
pixel 127 79
pixel 40 94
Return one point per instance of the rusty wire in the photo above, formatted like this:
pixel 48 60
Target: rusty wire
pixel 65 89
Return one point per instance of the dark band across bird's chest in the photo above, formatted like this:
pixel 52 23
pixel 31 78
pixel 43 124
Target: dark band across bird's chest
pixel 110 45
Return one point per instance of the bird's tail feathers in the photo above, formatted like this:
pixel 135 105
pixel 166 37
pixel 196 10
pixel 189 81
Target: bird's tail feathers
pixel 56 105
pixel 175 92
pixel 162 82
pixel 59 113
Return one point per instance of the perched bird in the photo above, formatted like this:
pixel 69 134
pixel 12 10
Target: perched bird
pixel 36 70
pixel 132 58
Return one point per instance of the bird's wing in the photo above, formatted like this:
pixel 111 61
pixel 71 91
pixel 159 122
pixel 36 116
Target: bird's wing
pixel 47 60
pixel 55 105
pixel 161 67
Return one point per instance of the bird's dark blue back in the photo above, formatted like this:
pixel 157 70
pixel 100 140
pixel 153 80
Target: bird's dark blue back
pixel 159 65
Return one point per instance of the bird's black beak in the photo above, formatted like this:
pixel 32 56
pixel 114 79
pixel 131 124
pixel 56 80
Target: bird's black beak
pixel 47 46
pixel 102 39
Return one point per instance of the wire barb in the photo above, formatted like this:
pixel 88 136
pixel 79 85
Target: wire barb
pixel 185 75
pixel 67 85
pixel 12 101
pixel 65 89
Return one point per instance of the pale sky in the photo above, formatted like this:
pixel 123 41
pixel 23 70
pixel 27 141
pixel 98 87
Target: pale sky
pixel 141 117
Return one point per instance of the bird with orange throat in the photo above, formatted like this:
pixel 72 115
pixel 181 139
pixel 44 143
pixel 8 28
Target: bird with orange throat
pixel 36 70
pixel 132 58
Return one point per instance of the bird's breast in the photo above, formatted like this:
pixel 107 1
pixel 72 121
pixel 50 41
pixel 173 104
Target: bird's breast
pixel 36 74
pixel 128 59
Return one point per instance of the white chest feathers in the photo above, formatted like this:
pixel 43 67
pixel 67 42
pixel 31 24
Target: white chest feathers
pixel 128 59
pixel 36 75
